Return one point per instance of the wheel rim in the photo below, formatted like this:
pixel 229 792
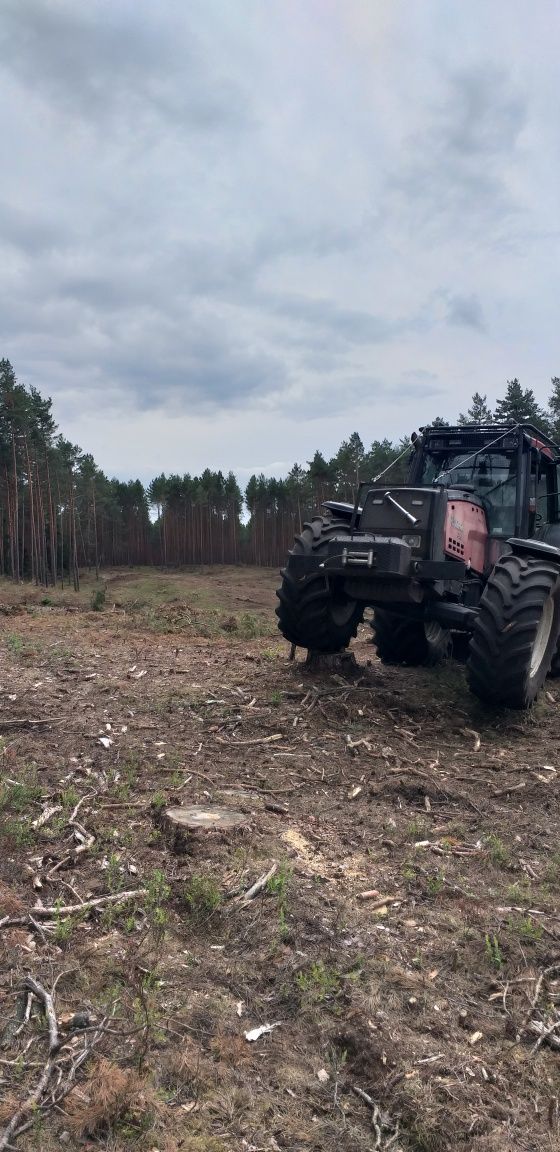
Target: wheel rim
pixel 540 643
pixel 433 632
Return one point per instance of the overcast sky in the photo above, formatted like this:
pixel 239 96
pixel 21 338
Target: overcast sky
pixel 233 231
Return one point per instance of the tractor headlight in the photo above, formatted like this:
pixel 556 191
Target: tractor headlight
pixel 412 541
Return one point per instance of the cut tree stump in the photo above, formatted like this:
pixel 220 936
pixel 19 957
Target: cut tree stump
pixel 186 825
pixel 342 662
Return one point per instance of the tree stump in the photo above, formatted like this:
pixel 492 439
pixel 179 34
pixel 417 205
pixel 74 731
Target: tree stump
pixel 187 826
pixel 344 663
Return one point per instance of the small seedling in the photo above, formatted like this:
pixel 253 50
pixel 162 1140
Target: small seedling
pixel 493 951
pixel 434 884
pixel 201 896
pixel 98 597
pixel 498 851
pixel 318 983
pixel 158 891
pixel 158 802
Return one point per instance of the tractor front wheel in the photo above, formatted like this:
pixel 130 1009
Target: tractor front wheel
pixel 314 612
pixel 516 632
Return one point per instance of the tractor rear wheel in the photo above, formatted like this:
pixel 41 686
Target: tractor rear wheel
pixel 313 613
pixel 399 640
pixel 516 632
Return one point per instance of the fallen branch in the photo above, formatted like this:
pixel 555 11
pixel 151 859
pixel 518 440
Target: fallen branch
pixel 259 885
pixel 36 1095
pixel 27 723
pixel 249 743
pixel 375 1113
pixel 58 910
pixel 545 1032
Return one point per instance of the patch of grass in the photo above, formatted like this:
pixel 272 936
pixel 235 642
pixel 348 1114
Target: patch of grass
pixel 273 653
pixel 528 930
pixel 125 780
pixel 201 897
pixel 17 834
pixel 18 795
pixel 318 983
pixel 14 644
pixel 69 798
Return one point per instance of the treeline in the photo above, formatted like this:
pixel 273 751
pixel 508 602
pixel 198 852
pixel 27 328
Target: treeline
pixel 59 513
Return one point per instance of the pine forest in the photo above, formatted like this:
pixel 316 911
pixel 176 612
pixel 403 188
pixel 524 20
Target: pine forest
pixel 59 513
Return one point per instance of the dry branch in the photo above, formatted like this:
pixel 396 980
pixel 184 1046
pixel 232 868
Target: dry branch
pixel 38 1092
pixel 58 910
pixel 259 884
pixel 249 743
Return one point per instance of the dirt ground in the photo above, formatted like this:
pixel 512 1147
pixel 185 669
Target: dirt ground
pixel 412 1018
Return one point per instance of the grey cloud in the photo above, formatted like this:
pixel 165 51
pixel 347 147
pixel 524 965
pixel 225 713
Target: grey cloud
pixel 466 311
pixel 105 62
pixel 290 237
pixel 351 325
pixel 455 173
pixel 30 232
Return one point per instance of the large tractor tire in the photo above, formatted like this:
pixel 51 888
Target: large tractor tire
pixel 516 632
pixel 402 641
pixel 312 613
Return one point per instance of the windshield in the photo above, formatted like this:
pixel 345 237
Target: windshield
pixel 492 475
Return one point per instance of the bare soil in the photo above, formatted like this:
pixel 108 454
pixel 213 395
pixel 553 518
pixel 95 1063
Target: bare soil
pixel 407 1019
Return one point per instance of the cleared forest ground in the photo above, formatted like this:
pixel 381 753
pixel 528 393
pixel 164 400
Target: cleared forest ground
pixel 405 1020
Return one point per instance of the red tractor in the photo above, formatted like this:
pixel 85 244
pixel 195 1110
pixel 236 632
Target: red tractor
pixel 469 546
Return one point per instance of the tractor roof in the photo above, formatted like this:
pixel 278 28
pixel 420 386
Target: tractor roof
pixel 488 433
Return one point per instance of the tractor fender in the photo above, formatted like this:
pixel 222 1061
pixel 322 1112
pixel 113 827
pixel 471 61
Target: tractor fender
pixel 536 549
pixel 341 510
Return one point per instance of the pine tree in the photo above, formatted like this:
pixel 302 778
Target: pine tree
pixel 519 406
pixel 554 409
pixel 478 413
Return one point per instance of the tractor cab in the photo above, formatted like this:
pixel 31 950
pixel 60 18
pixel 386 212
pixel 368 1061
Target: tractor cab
pixel 513 473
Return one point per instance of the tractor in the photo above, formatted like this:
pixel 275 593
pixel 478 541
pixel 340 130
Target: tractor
pixel 466 554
